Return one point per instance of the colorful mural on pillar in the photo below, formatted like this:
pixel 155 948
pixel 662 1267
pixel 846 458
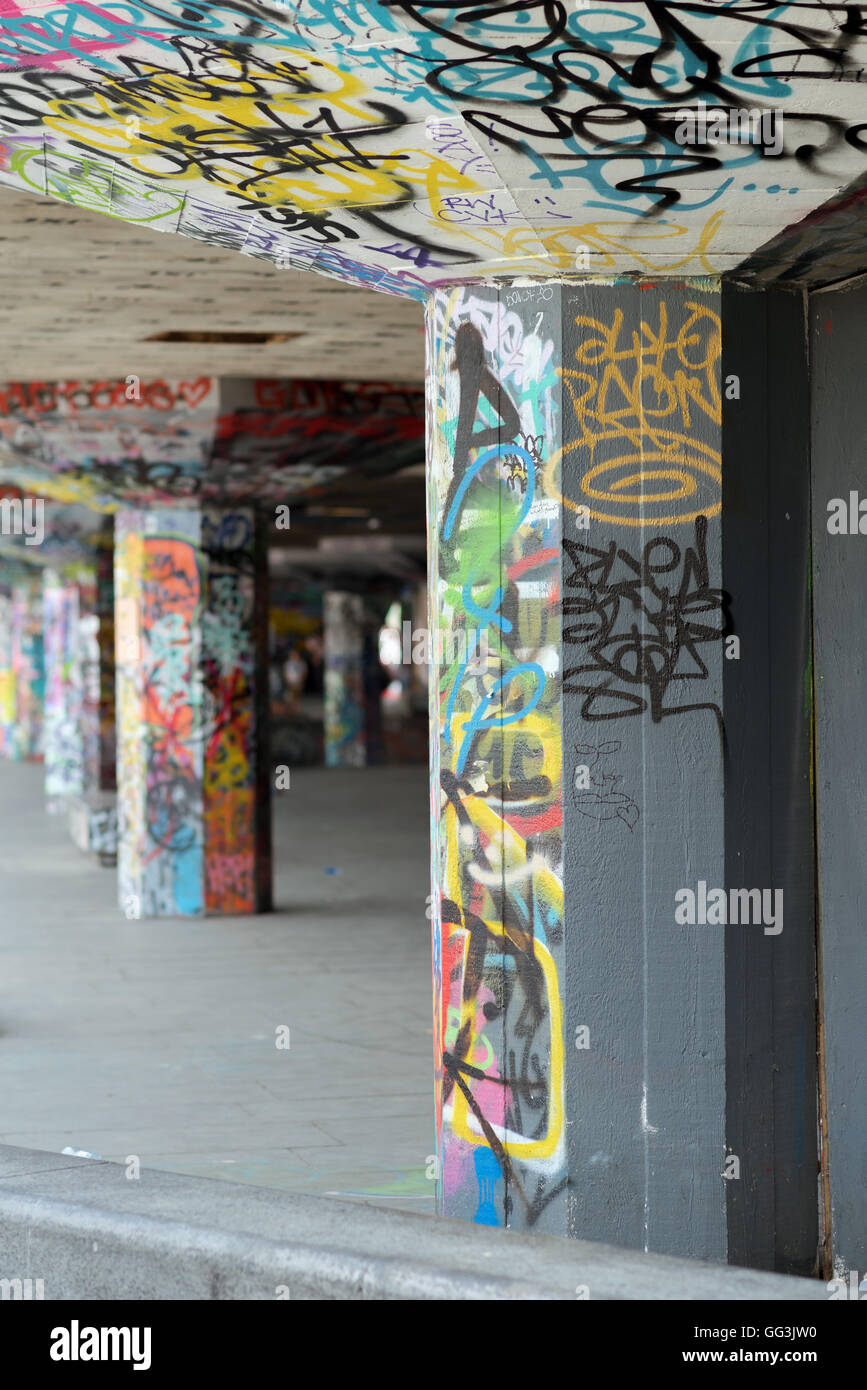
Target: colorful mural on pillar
pixel 496 760
pixel 7 679
pixel 193 831
pixel 237 850
pixel 64 754
pixel 28 670
pixel 96 647
pixel 158 587
pixel 345 716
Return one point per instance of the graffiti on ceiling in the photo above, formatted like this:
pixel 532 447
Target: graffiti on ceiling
pixel 403 146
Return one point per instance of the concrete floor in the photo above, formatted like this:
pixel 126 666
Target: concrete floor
pixel 157 1038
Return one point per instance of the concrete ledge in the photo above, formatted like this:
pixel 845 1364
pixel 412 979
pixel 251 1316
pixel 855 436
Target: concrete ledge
pixel 89 1232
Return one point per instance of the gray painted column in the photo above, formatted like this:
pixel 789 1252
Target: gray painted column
pixel 839 422
pixel 643 813
pixel 609 1068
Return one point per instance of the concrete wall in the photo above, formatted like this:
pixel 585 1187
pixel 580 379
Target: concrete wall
pixel 839 425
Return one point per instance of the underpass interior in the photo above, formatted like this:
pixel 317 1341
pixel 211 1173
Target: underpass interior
pixel 592 415
pixel 291 1049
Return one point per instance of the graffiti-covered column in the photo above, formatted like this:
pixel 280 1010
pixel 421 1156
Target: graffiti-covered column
pixel 345 695
pixel 494 427
pixel 620 785
pixel 63 751
pixel 28 670
pixel 193 774
pixel 96 656
pixel 7 677
pixel 93 814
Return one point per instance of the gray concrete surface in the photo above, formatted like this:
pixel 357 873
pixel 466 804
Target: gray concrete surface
pixel 157 1038
pixel 90 1232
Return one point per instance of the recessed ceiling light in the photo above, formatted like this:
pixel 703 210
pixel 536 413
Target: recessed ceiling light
pixel 176 335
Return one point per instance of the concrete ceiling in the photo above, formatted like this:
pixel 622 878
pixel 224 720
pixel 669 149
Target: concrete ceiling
pixel 81 294
pixel 402 146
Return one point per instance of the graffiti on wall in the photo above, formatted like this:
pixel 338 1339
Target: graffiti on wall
pixel 641 622
pixel 406 146
pixel 496 765
pixel 642 443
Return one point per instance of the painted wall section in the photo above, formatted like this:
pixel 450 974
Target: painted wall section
pixel 495 517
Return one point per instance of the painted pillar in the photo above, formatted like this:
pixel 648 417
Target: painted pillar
pixel 600 1058
pixel 345 695
pixel 839 425
pixel 193 773
pixel 496 756
pixel 28 670
pixel 7 678
pixel 96 656
pixel 64 762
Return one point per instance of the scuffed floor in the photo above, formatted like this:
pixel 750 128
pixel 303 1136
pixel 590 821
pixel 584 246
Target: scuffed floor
pixel 157 1038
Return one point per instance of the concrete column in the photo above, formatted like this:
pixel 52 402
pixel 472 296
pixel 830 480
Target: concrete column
pixel 193 773
pixel 93 813
pixel 607 1068
pixel 28 670
pixel 64 761
pixel 345 695
pixel 96 648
